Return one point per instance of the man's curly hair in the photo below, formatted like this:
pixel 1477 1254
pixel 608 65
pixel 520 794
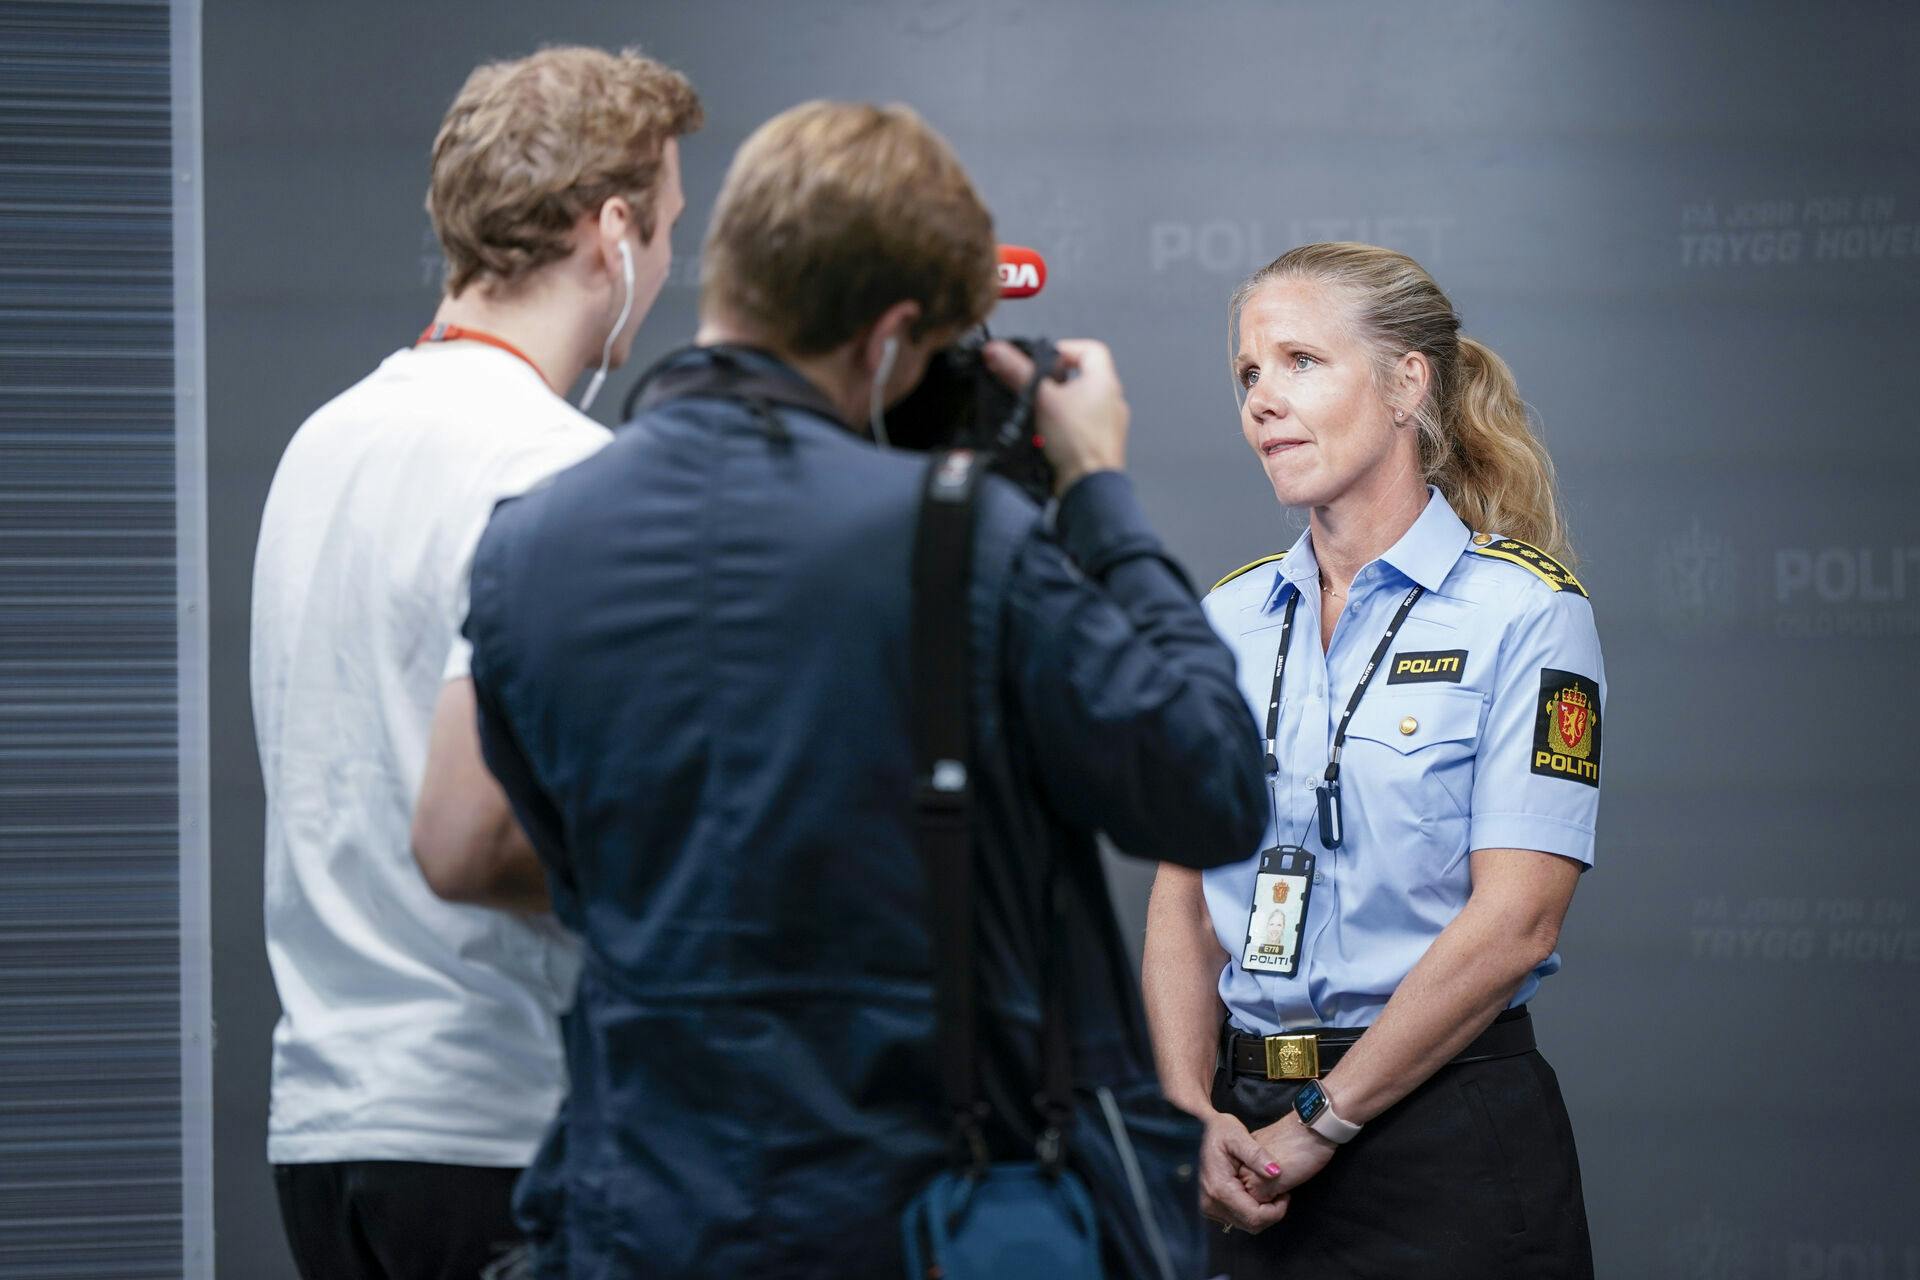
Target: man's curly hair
pixel 530 145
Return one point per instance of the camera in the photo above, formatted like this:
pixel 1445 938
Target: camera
pixel 960 404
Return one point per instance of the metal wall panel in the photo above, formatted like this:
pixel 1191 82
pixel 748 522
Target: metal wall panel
pixel 93 1055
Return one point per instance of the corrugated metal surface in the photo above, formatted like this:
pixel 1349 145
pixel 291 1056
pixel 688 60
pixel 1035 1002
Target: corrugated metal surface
pixel 90 712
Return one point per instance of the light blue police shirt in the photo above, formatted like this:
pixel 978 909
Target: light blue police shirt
pixel 1481 730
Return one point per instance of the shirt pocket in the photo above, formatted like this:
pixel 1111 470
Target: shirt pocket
pixel 1424 739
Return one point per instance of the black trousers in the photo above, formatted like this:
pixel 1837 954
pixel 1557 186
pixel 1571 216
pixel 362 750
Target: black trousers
pixel 397 1220
pixel 1473 1176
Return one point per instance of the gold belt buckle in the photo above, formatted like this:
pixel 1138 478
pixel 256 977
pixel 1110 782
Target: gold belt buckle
pixel 1293 1057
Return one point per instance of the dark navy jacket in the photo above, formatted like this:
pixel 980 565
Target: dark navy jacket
pixel 692 664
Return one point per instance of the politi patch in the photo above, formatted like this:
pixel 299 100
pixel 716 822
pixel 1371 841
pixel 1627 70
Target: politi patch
pixel 1421 668
pixel 1566 729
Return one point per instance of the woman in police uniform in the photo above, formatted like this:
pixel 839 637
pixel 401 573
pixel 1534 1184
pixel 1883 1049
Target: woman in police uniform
pixel 1428 679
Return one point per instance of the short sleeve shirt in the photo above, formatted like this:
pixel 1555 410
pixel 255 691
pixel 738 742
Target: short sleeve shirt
pixel 411 1028
pixel 1481 729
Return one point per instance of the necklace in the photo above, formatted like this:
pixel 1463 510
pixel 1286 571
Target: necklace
pixel 1327 587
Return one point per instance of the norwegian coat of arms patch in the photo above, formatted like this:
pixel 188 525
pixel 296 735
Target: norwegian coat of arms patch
pixel 1566 730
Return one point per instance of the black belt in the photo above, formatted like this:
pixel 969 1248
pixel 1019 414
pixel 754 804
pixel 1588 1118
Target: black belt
pixel 1308 1055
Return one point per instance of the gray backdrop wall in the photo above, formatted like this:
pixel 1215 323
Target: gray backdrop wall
pixel 1693 230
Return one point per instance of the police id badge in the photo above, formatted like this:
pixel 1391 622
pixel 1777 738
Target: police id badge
pixel 1278 919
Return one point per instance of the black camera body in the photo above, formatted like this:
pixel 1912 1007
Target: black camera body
pixel 960 404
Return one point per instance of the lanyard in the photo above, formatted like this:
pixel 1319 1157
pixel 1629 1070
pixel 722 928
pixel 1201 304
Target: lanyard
pixel 1329 791
pixel 1279 669
pixel 454 333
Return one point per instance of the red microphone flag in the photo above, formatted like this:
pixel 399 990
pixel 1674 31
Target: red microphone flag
pixel 1023 272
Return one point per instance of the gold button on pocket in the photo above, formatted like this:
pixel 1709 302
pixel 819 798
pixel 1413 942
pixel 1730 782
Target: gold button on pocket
pixel 1416 720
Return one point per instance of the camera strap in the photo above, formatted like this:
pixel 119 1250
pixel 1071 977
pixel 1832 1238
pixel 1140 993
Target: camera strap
pixel 943 811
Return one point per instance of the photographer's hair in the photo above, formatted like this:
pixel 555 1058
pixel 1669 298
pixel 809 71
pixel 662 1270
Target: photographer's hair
pixel 1477 444
pixel 831 213
pixel 530 145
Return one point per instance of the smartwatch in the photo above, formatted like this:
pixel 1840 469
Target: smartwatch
pixel 1315 1110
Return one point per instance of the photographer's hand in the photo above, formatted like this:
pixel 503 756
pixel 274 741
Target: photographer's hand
pixel 1083 421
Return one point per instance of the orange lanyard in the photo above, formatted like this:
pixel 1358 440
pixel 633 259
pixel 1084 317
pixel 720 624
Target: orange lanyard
pixel 454 332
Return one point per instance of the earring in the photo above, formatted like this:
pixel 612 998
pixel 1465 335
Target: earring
pixel 1399 415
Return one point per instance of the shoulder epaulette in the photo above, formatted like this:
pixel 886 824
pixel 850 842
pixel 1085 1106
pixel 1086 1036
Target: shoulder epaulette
pixel 1247 567
pixel 1530 558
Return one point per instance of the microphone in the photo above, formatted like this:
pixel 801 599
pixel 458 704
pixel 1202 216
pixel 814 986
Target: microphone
pixel 1023 272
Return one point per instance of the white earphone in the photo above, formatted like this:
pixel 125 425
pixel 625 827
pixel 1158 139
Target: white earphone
pixel 877 406
pixel 606 349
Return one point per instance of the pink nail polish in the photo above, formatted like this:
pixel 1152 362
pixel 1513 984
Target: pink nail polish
pixel 1273 1171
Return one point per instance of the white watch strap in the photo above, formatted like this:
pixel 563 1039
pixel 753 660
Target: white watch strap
pixel 1332 1127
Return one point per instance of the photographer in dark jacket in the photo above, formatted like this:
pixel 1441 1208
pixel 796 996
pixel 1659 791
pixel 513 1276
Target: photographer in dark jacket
pixel 691 660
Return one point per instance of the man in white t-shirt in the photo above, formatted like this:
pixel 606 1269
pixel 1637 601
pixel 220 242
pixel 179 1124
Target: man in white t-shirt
pixel 417 1061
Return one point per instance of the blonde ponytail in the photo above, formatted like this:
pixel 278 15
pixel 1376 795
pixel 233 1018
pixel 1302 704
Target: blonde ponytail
pixel 1491 468
pixel 1477 444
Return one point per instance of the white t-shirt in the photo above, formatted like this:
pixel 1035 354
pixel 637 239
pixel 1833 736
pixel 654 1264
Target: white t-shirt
pixel 412 1029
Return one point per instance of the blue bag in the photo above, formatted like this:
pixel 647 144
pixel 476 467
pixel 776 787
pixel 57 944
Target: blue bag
pixel 1012 1221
